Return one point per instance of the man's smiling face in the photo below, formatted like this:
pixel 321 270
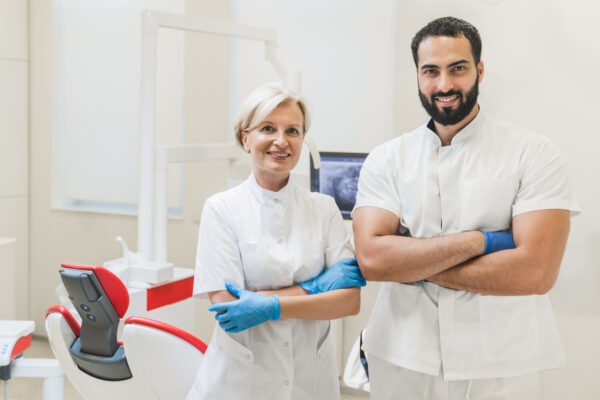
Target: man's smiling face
pixel 448 78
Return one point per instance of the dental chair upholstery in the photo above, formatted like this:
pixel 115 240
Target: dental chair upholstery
pixel 155 361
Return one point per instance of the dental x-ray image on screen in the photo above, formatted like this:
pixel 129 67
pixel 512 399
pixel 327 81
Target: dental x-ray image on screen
pixel 338 177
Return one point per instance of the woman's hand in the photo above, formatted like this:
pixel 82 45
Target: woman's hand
pixel 249 310
pixel 341 275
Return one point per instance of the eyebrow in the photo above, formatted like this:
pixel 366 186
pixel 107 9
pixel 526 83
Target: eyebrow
pixel 455 63
pixel 271 123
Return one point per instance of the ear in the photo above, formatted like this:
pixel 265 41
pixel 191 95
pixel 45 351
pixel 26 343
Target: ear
pixel 245 141
pixel 480 70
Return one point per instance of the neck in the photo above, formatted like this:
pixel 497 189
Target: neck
pixel 447 132
pixel 272 182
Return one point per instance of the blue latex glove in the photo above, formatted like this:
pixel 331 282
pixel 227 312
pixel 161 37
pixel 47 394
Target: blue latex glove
pixel 496 241
pixel 342 274
pixel 249 310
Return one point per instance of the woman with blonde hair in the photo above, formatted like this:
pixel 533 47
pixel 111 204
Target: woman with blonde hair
pixel 277 263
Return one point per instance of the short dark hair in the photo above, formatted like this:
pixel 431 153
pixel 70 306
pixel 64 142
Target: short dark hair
pixel 448 26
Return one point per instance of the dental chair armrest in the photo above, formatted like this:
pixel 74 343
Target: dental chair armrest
pixel 67 316
pixel 180 333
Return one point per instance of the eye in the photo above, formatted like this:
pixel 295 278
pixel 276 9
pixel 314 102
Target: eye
pixel 293 132
pixel 459 68
pixel 429 71
pixel 267 129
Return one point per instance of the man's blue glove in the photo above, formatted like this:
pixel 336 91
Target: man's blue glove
pixel 342 274
pixel 496 241
pixel 250 310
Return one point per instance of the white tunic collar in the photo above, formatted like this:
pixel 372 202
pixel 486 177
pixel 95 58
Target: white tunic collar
pixel 265 196
pixel 465 134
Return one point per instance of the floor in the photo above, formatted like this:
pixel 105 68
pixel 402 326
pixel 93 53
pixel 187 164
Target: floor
pixel 31 388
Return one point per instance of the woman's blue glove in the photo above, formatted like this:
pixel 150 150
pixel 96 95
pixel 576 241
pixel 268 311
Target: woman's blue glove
pixel 250 310
pixel 496 241
pixel 342 274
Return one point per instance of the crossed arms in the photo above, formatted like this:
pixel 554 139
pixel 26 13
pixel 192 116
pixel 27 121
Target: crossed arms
pixel 457 261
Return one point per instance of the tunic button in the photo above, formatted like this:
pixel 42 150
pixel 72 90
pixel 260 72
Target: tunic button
pixel 286 383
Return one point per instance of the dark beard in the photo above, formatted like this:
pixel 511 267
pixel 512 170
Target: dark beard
pixel 448 116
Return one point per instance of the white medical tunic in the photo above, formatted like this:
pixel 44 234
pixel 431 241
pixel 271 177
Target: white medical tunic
pixel 261 240
pixel 491 172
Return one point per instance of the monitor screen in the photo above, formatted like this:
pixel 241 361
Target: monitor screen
pixel 338 177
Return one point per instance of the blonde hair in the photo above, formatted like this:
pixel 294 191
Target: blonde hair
pixel 261 102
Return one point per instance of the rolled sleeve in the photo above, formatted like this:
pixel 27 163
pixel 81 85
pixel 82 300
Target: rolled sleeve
pixel 218 257
pixel 545 183
pixel 376 187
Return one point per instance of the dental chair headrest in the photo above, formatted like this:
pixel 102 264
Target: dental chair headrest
pixel 101 299
pixel 115 289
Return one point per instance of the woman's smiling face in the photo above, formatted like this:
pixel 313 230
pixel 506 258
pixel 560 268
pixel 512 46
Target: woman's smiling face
pixel 275 145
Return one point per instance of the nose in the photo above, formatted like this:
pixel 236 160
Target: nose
pixel 445 83
pixel 280 139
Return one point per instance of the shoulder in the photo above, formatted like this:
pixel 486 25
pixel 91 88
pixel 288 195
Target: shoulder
pixel 305 195
pixel 517 136
pixel 315 201
pixel 393 149
pixel 221 201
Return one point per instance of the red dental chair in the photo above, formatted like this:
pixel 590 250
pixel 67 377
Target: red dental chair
pixel 155 360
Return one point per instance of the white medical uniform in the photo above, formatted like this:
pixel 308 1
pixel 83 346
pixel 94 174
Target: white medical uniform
pixel 491 172
pixel 263 240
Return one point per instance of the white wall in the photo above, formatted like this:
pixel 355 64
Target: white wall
pixel 14 140
pixel 59 236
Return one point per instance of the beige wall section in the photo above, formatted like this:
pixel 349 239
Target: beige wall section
pixel 14 142
pixel 77 237
pixel 207 77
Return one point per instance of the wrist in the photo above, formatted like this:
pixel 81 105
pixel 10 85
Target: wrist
pixel 276 307
pixel 308 286
pixel 480 243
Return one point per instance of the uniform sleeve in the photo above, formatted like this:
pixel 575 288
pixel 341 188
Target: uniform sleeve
pixel 376 187
pixel 217 256
pixel 545 182
pixel 338 243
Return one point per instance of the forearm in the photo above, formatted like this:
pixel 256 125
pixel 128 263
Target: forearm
pixel 323 306
pixel 405 259
pixel 531 268
pixel 295 290
pixel 505 273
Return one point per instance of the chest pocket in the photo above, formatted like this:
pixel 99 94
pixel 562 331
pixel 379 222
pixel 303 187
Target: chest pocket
pixel 311 260
pixel 486 204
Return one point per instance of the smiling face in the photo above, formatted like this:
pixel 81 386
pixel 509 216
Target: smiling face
pixel 275 145
pixel 448 79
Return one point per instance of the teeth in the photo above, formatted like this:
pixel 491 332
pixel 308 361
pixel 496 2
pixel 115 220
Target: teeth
pixel 279 154
pixel 446 99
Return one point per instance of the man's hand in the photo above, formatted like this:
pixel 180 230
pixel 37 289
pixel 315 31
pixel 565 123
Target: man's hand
pixel 341 275
pixel 250 310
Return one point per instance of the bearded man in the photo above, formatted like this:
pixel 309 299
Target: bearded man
pixel 465 220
